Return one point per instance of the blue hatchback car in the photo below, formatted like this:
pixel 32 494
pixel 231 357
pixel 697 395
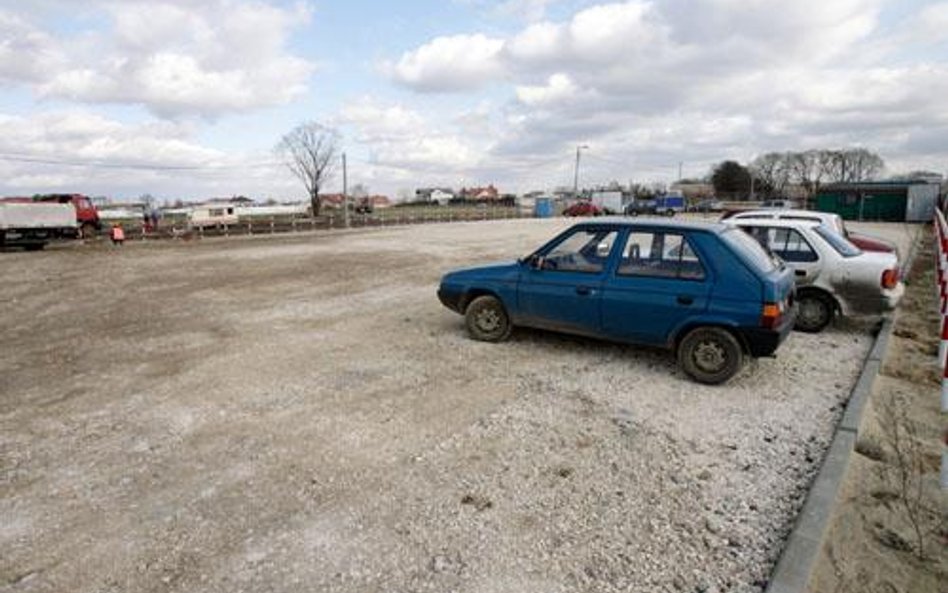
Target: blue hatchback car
pixel 705 290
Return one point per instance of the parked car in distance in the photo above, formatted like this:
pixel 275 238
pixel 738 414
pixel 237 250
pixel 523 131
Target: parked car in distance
pixel 582 208
pixel 833 275
pixel 828 219
pixel 639 206
pixel 704 290
pixel 669 205
pixel 708 205
pixel 783 204
pixel 659 205
pixel 364 206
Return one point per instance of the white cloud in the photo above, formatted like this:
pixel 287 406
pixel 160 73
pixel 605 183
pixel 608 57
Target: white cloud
pixel 400 138
pixel 76 151
pixel 651 83
pixel 560 88
pixel 25 52
pixel 174 58
pixel 455 63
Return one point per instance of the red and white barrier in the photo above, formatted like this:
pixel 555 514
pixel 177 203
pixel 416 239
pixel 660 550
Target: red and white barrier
pixel 941 278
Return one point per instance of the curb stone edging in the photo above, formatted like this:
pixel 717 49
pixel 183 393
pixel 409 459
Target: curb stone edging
pixel 798 558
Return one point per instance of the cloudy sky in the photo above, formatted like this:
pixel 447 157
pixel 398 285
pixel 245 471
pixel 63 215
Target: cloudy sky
pixel 185 99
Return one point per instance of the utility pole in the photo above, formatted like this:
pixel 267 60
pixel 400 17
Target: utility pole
pixel 345 191
pixel 576 172
pixel 680 163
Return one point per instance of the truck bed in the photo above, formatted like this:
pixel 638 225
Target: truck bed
pixel 17 216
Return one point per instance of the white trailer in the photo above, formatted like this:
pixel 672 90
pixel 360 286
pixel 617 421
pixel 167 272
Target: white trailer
pixel 212 216
pixel 610 201
pixel 33 224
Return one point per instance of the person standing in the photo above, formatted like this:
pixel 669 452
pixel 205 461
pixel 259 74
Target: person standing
pixel 118 235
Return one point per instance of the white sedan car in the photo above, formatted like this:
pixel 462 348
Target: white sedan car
pixel 833 275
pixel 829 219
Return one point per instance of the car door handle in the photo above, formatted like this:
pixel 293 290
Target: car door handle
pixel 685 299
pixel 583 290
pixel 800 272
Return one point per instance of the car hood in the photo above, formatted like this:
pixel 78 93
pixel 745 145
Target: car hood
pixel 494 271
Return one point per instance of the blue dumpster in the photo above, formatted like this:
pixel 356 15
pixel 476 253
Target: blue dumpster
pixel 543 208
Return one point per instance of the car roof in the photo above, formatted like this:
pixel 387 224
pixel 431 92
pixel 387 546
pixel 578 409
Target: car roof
pixel 785 212
pixel 663 223
pixel 774 222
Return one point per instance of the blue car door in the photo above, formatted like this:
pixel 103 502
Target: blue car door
pixel 561 288
pixel 659 282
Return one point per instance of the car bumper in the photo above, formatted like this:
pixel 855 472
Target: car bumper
pixel 877 305
pixel 892 297
pixel 764 342
pixel 450 298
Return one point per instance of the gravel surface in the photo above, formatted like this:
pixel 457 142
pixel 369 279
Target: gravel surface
pixel 300 413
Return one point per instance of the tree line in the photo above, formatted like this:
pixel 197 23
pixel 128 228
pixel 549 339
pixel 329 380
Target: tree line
pixel 770 175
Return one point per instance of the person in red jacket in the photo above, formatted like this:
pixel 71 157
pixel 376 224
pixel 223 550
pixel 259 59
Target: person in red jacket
pixel 118 235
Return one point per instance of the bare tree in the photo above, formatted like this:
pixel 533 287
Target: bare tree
pixel 310 151
pixel 772 170
pixel 852 165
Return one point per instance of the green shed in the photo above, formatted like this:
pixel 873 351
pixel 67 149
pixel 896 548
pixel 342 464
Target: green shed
pixel 888 201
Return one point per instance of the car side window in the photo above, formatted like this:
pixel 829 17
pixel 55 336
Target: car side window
pixel 659 254
pixel 583 251
pixel 790 245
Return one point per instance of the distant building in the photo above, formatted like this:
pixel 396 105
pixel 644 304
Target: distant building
pixel 694 190
pixel 433 194
pixel 894 201
pixel 337 200
pixel 380 201
pixel 331 200
pixel 480 194
pixel 236 200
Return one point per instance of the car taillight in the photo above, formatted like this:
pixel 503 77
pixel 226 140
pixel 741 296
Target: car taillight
pixel 772 314
pixel 890 278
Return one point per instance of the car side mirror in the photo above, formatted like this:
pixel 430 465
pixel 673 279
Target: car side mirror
pixel 535 261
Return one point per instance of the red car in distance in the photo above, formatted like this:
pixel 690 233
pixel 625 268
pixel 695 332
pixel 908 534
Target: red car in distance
pixel 583 208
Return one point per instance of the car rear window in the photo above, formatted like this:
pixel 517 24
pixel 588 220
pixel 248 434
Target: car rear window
pixel 838 242
pixel 744 243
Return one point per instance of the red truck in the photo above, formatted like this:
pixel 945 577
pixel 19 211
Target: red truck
pixel 87 217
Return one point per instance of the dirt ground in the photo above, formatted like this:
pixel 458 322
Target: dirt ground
pixel 872 545
pixel 300 413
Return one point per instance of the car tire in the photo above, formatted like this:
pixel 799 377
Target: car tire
pixel 669 213
pixel 814 312
pixel 710 355
pixel 487 320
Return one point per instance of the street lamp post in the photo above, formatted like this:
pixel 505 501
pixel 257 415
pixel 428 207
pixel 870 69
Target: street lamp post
pixel 576 171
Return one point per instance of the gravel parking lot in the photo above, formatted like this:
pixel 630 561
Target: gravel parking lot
pixel 300 413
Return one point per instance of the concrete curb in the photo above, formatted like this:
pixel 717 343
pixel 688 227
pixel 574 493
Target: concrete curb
pixel 798 558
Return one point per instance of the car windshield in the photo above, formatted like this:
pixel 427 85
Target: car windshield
pixel 758 256
pixel 838 242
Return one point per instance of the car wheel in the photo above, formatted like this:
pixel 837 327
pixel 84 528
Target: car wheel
pixel 710 355
pixel 814 312
pixel 669 213
pixel 487 319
